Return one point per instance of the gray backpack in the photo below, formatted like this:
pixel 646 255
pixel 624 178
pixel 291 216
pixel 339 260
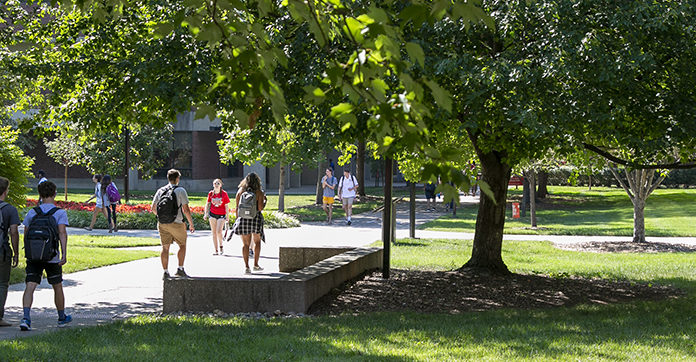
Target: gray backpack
pixel 248 207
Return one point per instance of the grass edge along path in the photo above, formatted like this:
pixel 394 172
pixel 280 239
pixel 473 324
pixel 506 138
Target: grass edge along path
pixel 661 330
pixel 578 211
pixel 89 252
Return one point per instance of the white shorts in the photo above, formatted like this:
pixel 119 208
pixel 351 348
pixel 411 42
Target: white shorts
pixel 348 201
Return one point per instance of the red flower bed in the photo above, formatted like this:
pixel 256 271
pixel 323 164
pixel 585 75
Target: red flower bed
pixel 121 208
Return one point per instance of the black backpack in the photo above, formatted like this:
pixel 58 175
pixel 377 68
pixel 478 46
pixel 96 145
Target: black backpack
pixel 3 233
pixel 167 205
pixel 248 206
pixel 41 236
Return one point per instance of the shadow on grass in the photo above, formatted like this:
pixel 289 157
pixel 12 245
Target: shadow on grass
pixel 648 329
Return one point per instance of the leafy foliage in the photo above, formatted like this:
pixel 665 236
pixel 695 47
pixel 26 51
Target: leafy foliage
pixel 14 165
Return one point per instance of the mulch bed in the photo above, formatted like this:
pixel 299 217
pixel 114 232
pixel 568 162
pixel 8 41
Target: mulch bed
pixel 467 290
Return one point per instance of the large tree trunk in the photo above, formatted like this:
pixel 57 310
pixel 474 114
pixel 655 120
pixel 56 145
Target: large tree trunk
pixel 488 239
pixel 320 191
pixel 281 187
pixel 640 186
pixel 360 168
pixel 543 180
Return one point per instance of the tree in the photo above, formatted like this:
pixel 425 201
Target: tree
pixel 67 151
pixel 641 183
pixel 149 148
pixel 14 165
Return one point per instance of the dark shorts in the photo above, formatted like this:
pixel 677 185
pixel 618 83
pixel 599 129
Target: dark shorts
pixel 216 216
pixel 54 272
pixel 429 195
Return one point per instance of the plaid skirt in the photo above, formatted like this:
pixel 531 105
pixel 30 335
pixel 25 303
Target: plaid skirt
pixel 249 226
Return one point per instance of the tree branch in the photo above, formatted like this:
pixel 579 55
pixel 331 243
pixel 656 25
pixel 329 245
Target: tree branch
pixel 639 166
pixel 618 178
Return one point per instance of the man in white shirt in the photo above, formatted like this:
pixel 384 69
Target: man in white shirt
pixel 347 189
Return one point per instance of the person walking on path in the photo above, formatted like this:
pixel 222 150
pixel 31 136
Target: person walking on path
pixel 101 200
pixel 110 192
pixel 216 211
pixel 250 201
pixel 53 267
pixel 347 189
pixel 41 175
pixel 429 189
pixel 329 183
pixel 9 254
pixel 170 205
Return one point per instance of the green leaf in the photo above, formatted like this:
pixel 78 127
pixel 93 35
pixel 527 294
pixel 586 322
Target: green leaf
pixel 441 95
pixel 487 190
pixel 340 109
pixel 415 52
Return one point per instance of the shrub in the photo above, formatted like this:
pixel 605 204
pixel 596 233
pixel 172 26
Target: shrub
pixel 148 221
pixel 14 165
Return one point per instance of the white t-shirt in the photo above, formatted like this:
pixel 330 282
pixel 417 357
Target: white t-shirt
pixel 346 184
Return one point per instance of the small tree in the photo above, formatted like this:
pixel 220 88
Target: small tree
pixel 65 150
pixel 14 165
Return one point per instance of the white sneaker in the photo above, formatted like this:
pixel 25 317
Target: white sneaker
pixel 258 268
pixel 247 271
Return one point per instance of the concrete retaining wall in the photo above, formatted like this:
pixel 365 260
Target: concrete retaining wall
pixel 294 292
pixel 296 258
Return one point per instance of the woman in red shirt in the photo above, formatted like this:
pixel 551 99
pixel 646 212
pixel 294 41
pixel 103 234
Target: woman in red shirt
pixel 216 210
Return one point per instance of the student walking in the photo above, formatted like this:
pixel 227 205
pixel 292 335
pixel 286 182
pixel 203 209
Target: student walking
pixel 110 191
pixel 46 219
pixel 9 253
pixel 329 183
pixel 250 201
pixel 347 189
pixel 170 205
pixel 100 199
pixel 216 211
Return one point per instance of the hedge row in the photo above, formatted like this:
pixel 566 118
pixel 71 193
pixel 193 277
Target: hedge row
pixel 562 176
pixel 148 221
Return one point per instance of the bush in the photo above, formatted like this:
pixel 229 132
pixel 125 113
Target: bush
pixel 14 165
pixel 148 221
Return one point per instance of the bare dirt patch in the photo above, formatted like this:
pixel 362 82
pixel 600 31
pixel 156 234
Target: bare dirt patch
pixel 627 247
pixel 463 291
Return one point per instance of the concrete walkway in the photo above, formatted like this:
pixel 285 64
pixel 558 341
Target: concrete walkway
pixel 119 291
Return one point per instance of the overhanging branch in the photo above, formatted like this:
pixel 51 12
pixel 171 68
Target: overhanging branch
pixel 638 166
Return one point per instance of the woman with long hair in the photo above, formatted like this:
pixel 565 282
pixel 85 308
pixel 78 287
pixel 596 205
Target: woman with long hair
pixel 216 211
pixel 110 206
pixel 101 199
pixel 251 198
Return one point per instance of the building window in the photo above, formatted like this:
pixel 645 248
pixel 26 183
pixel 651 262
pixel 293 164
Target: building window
pixel 235 170
pixel 181 157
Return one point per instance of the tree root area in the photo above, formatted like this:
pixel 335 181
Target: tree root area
pixel 456 292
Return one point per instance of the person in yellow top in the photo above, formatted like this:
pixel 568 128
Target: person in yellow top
pixel 329 183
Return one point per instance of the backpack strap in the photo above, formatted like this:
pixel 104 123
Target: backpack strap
pixel 38 210
pixel 53 210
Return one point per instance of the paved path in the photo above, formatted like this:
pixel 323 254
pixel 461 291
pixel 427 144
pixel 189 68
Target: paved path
pixel 119 291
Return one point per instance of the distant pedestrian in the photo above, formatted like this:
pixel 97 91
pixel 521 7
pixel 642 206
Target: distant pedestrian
pixel 41 175
pixel 101 202
pixel 9 253
pixel 216 212
pixel 429 189
pixel 170 205
pixel 110 190
pixel 329 183
pixel 347 189
pixel 250 201
pixel 38 224
pixel 332 166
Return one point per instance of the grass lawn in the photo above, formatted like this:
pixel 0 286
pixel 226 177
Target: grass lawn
pixel 661 330
pixel 88 252
pixel 602 211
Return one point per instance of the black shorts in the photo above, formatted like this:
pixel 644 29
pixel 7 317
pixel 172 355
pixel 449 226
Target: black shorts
pixel 429 195
pixel 216 216
pixel 35 269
